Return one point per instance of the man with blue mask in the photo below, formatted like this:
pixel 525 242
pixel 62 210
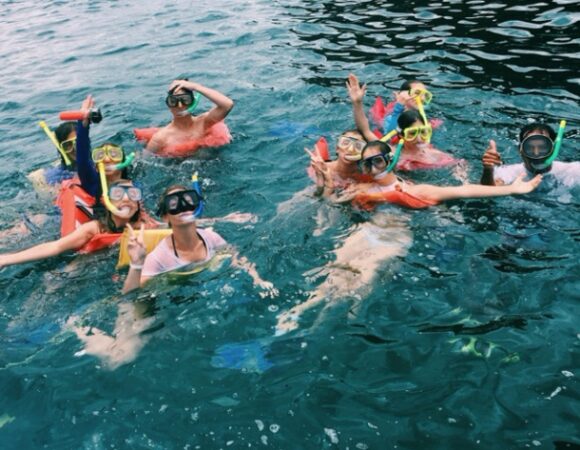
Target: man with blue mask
pixel 538 151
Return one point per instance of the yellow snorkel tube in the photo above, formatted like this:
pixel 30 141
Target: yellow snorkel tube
pixel 105 189
pixel 53 139
pixel 389 135
pixel 105 186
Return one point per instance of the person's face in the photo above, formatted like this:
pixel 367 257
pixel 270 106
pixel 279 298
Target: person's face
pixel 535 149
pixel 125 197
pixel 417 133
pixel 413 100
pixel 349 147
pixel 373 162
pixel 179 101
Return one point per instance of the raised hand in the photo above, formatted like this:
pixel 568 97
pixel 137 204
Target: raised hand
pixel 355 90
pixel 491 157
pixel 136 245
pixel 86 106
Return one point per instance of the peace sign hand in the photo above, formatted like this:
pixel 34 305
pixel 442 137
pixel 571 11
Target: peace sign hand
pixel 136 246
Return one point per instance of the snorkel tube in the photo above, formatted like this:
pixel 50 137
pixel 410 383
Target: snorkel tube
pixel 197 188
pixel 395 159
pixel 557 144
pixel 389 135
pixel 196 98
pixel 53 139
pixel 105 189
pixel 422 112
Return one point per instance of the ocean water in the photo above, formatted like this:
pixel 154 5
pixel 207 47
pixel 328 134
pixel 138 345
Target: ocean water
pixel 468 335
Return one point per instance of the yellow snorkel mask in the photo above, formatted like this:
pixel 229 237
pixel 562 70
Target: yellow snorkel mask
pixel 59 147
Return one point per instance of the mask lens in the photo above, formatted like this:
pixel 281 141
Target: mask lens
pixel 537 147
pixel 425 95
pixel 411 134
pixel 69 145
pixel 98 155
pixel 116 193
pixel 345 141
pixel 115 153
pixel 134 194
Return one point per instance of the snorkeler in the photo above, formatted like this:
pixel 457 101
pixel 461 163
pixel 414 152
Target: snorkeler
pixel 186 247
pixel 103 230
pixel 186 132
pixel 365 250
pixel 539 146
pixel 47 180
pixel 349 146
pixel 418 152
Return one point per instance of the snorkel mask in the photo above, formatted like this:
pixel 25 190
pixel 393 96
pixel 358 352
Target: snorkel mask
pixel 184 202
pixel 365 165
pixel 539 152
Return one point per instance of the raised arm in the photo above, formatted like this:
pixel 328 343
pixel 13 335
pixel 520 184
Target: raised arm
pixel 441 194
pixel 223 104
pixel 137 254
pixel 72 241
pixel 85 167
pixel 356 94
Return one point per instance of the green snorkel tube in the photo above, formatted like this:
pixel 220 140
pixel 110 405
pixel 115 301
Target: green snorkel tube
pixel 395 159
pixel 557 144
pixel 128 161
pixel 196 98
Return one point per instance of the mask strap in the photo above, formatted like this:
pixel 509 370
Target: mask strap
pixel 53 139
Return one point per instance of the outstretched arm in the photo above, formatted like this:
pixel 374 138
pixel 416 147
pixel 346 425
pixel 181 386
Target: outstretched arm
pixel 72 241
pixel 223 104
pixel 356 93
pixel 440 193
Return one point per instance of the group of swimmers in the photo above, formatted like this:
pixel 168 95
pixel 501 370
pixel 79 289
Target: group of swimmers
pixel 98 202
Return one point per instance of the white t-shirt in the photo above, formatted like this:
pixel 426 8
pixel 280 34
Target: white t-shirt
pixel 562 173
pixel 162 259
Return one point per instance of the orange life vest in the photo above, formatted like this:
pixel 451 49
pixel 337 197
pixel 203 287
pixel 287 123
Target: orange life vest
pixel 397 196
pixel 75 204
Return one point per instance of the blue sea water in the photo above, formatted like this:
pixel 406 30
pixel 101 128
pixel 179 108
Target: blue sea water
pixel 469 340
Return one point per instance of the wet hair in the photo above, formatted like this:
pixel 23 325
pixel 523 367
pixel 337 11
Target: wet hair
pixel 171 91
pixel 407 84
pixel 161 211
pixel 382 146
pixel 103 215
pixel 63 130
pixel 408 118
pixel 537 126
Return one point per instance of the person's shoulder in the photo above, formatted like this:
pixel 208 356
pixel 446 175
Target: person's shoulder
pixel 212 237
pixel 568 172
